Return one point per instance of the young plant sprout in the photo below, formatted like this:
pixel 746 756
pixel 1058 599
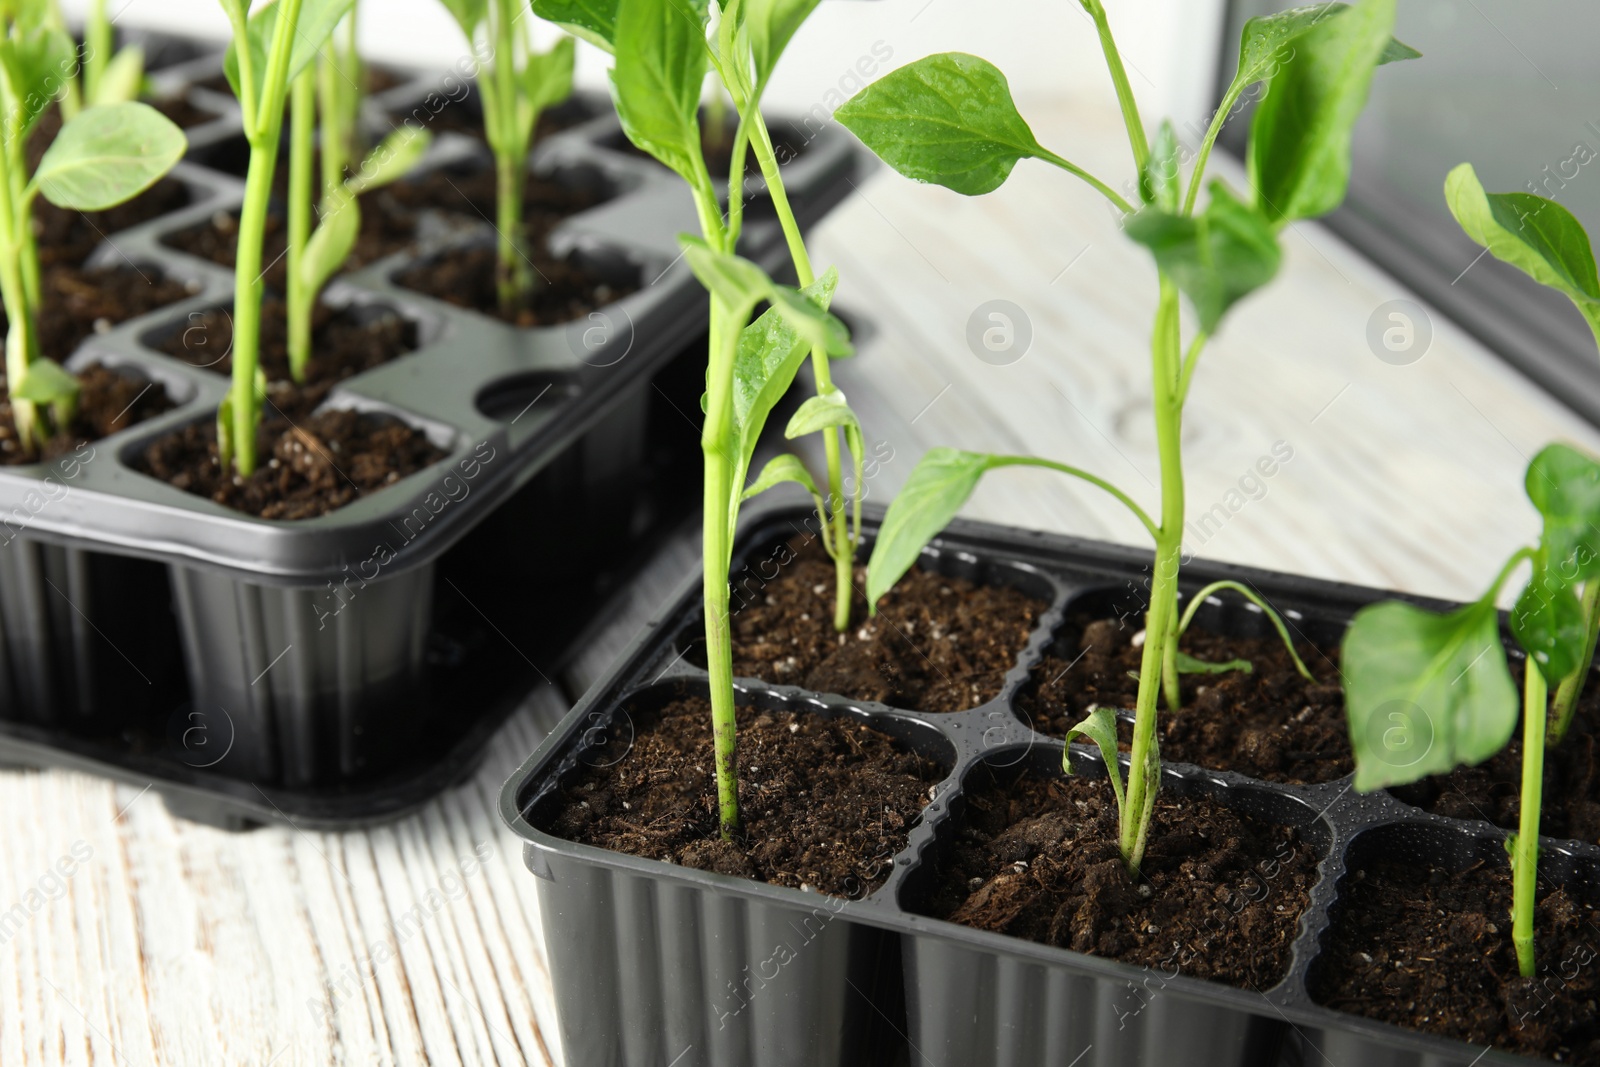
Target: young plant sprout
pixel 269 50
pixel 663 49
pixel 949 119
pixel 315 255
pixel 102 156
pixel 106 76
pixel 1427 693
pixel 516 87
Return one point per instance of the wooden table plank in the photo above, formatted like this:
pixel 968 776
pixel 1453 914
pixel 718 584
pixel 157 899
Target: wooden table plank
pixel 177 944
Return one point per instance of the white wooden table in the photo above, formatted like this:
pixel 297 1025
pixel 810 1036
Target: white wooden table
pixel 418 943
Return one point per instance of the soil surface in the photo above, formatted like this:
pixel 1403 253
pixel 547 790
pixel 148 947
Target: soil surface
pixel 937 644
pixel 1492 790
pixel 345 341
pixel 1219 895
pixel 184 114
pixel 565 289
pixel 1268 723
pixel 1430 949
pixel 452 113
pixel 305 468
pixel 108 401
pixel 827 803
pixel 80 303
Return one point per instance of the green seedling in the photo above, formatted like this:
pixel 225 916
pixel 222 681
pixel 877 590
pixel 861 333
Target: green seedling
pixel 316 254
pixel 663 50
pixel 106 75
pixel 516 85
pixel 949 119
pixel 1545 241
pixel 102 156
pixel 1426 693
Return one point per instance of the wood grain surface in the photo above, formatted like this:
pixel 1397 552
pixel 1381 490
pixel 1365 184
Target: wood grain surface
pixel 147 940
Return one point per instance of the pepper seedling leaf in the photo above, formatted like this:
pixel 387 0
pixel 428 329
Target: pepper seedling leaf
pixel 772 25
pixel 1549 624
pixel 121 79
pixel 821 412
pixel 1564 484
pixel 1264 45
pixel 546 79
pixel 470 14
pixel 1188 664
pixel 1537 236
pixel 1100 727
pixel 108 154
pixel 593 20
pixel 780 469
pixel 1425 693
pixel 393 157
pixel 315 24
pixel 33 61
pixel 818 327
pixel 1217 257
pixel 1299 153
pixel 46 382
pixel 947 119
pixel 1160 180
pixel 656 82
pixel 941 482
pixel 734 280
pixel 332 241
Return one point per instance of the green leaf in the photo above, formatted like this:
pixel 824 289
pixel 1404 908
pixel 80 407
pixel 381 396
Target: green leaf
pixel 947 119
pixel 821 412
pixel 943 480
pixel 1549 624
pixel 1299 154
pixel 46 382
pixel 35 62
pixel 108 154
pixel 470 14
pixel 784 468
pixel 1564 484
pixel 771 351
pixel 772 24
pixel 393 157
pixel 1100 727
pixel 547 79
pixel 1217 257
pixel 332 241
pixel 1425 693
pixel 120 80
pixel 593 20
pixel 820 328
pixel 661 65
pixel 1187 664
pixel 1266 40
pixel 315 24
pixel 734 280
pixel 1537 236
pixel 1159 183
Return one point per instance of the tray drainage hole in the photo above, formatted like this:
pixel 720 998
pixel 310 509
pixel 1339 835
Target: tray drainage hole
pixel 510 399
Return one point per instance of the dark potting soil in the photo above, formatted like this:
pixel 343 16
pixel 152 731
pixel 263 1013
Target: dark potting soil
pixel 826 803
pixel 305 468
pixel 67 238
pixel 1268 723
pixel 184 114
pixel 937 644
pixel 377 80
pixel 1219 895
pixel 1430 949
pixel 1492 790
pixel 79 303
pixel 449 112
pixel 564 290
pixel 108 401
pixel 345 341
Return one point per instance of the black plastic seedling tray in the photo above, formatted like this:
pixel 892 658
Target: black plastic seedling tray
pixel 343 669
pixel 645 950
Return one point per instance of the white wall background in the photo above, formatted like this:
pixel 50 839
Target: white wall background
pixel 1046 47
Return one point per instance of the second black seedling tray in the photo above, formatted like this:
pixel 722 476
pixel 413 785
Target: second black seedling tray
pixel 648 951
